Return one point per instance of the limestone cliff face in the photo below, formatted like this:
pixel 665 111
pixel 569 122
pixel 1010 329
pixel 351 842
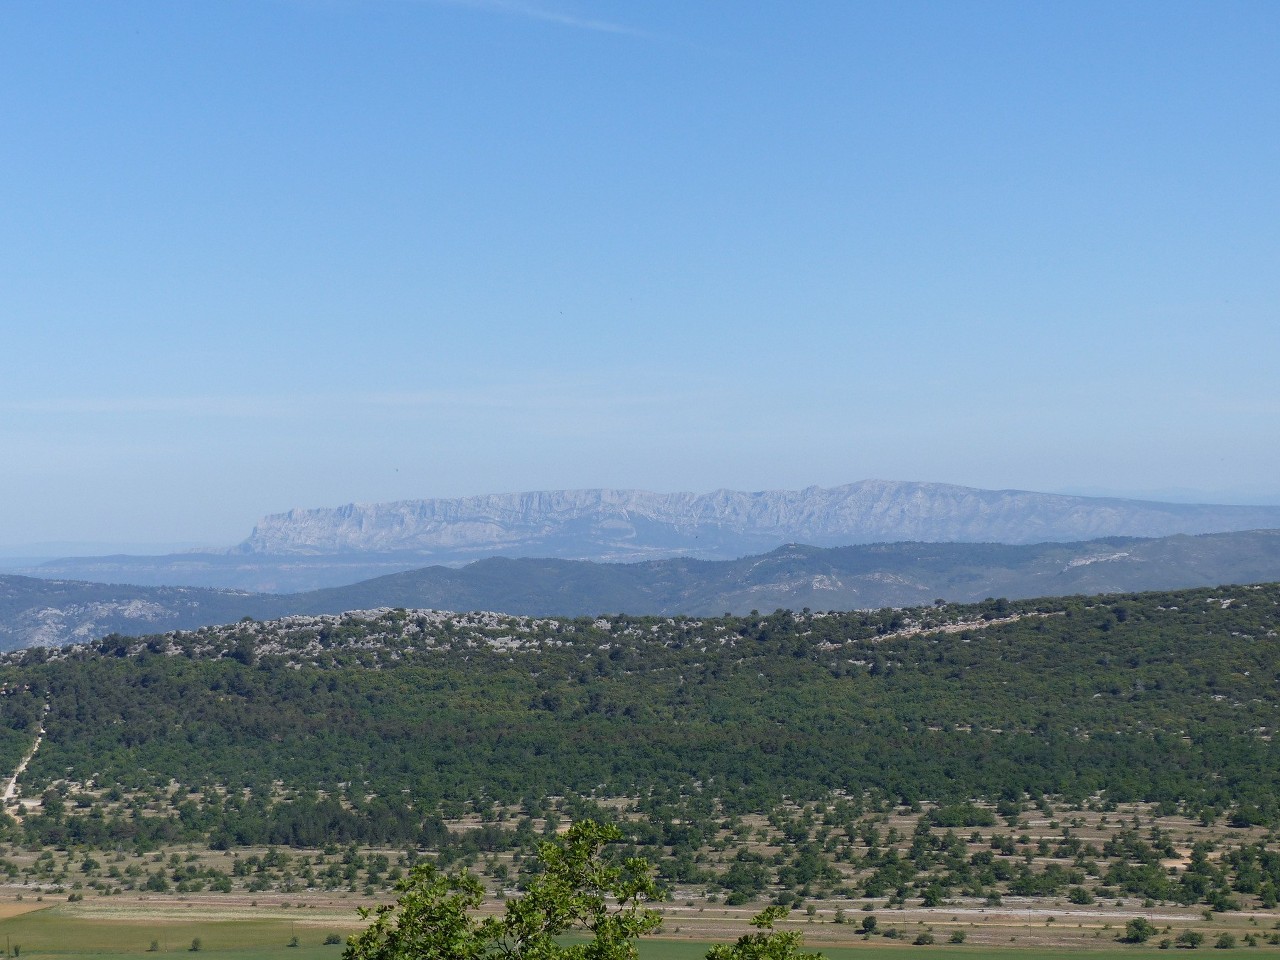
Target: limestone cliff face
pixel 634 524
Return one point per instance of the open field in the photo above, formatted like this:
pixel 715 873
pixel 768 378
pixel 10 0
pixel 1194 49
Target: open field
pixel 239 930
pixel 660 949
pixel 74 931
pixel 76 902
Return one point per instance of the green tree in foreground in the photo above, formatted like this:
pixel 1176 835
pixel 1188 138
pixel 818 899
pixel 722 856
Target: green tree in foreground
pixel 434 916
pixel 577 890
pixel 765 943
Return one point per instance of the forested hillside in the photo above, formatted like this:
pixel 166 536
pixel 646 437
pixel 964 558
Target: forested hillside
pixel 1168 697
pixel 1095 755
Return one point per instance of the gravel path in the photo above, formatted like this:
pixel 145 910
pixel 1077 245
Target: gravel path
pixel 11 788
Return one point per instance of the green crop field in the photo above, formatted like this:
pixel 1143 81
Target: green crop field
pixel 693 950
pixel 57 931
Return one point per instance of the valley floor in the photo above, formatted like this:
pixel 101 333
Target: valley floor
pixel 88 902
pixel 239 927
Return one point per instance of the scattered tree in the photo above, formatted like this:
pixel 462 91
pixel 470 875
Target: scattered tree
pixel 1138 930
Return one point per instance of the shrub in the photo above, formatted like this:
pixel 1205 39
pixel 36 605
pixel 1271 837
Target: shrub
pixel 1138 930
pixel 1190 939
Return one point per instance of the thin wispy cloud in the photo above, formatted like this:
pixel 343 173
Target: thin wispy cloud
pixel 547 15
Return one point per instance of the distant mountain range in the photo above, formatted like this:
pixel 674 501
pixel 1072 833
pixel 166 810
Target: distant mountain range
pixel 37 611
pixel 309 549
pixel 634 524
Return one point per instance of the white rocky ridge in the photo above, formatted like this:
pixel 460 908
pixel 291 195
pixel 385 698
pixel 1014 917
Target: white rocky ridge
pixel 76 622
pixel 633 524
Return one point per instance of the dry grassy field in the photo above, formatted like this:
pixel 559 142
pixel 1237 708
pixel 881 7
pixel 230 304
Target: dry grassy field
pixel 82 903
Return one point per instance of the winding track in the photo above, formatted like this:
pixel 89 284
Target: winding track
pixel 11 788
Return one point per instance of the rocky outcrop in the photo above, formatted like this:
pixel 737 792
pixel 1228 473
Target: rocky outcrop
pixel 633 524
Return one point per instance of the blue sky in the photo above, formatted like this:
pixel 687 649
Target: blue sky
pixel 257 255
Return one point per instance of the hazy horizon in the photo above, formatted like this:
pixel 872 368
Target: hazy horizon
pixel 275 254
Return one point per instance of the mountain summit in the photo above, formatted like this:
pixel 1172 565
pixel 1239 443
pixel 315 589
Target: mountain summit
pixel 634 524
pixel 329 547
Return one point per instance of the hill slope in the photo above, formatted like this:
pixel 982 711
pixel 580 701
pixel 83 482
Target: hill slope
pixel 1165 697
pixel 838 578
pixel 35 611
pixel 39 612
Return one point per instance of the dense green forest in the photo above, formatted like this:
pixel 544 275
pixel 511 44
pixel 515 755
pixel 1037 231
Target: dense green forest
pixel 376 722
pixel 1105 749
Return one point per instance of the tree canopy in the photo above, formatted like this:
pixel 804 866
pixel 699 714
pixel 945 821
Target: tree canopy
pixel 579 889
